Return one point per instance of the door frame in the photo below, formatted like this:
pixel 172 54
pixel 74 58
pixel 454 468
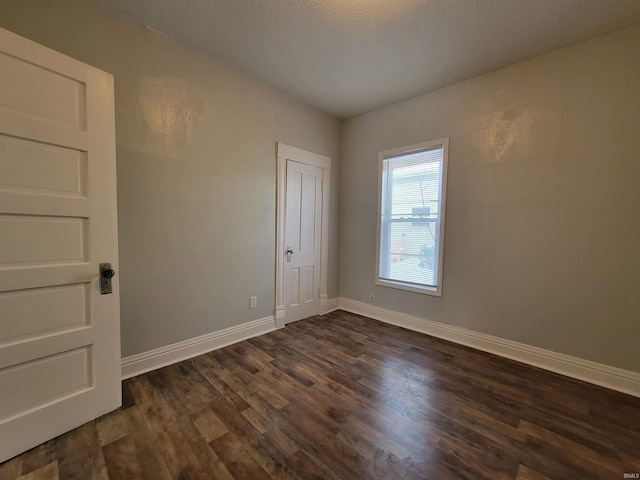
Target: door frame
pixel 283 153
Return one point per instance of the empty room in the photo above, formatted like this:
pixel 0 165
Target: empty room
pixel 319 239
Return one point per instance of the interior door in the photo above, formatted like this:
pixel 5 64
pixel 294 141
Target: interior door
pixel 303 240
pixel 59 337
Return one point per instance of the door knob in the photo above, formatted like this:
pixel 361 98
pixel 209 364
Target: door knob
pixel 110 273
pixel 289 253
pixel 106 274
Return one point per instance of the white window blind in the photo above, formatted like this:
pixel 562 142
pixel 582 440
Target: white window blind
pixel 411 210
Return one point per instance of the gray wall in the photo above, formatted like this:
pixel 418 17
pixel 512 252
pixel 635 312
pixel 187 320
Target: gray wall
pixel 542 240
pixel 196 172
pixel 542 216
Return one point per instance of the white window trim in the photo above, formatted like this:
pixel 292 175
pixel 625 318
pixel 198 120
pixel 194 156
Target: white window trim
pixel 426 290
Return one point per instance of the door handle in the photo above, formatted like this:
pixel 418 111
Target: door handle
pixel 289 253
pixel 106 274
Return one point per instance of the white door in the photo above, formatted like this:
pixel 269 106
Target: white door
pixel 59 337
pixel 303 240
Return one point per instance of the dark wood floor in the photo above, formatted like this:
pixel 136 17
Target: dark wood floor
pixel 346 397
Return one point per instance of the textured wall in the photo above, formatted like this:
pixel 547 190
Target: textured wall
pixel 196 172
pixel 542 229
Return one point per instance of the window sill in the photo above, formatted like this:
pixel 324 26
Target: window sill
pixel 433 291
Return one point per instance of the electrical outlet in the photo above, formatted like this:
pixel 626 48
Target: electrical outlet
pixel 372 297
pixel 253 302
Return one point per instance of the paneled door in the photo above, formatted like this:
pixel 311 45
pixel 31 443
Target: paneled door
pixel 59 336
pixel 302 234
pixel 303 240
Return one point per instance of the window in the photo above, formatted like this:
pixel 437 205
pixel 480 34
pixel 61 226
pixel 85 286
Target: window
pixel 411 214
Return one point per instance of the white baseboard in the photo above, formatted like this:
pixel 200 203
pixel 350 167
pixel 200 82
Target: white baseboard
pixel 599 374
pixel 167 355
pixel 279 314
pixel 328 305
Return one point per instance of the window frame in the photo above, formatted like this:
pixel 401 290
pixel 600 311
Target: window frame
pixel 395 152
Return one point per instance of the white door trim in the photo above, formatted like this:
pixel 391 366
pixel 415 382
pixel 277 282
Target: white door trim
pixel 284 153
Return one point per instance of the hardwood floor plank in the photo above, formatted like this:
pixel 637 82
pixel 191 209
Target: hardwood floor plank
pixel 479 453
pixel 285 434
pixel 604 458
pixel 586 430
pixel 446 463
pixel 329 402
pixel 291 371
pixel 46 472
pixel 305 468
pixel 237 460
pixel 525 473
pixel 271 459
pixel 163 423
pixel 38 457
pixel 543 458
pixel 336 405
pixel 317 437
pixel 12 469
pixel 234 420
pixel 258 421
pixel 280 439
pixel 210 366
pixel 630 463
pixel 79 454
pixel 155 468
pixel 341 396
pixel 181 378
pixel 112 427
pixel 121 458
pixel 277 427
pixel 208 424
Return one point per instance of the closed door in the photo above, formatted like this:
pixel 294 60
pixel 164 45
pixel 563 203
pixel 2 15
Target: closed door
pixel 303 240
pixel 59 337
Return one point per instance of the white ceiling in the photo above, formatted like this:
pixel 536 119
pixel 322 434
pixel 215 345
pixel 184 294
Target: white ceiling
pixel 348 57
